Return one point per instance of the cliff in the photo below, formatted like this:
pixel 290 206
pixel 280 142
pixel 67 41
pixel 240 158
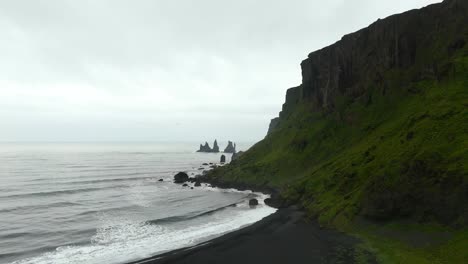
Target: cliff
pixel 377 133
pixel 359 64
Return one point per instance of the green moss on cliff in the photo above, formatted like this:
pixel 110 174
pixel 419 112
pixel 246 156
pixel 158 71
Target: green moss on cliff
pixel 375 140
pixel 401 153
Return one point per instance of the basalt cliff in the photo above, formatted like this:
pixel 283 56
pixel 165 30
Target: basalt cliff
pixel 375 136
pixel 417 42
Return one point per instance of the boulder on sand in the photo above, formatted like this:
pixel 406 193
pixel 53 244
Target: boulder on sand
pixel 181 177
pixel 161 180
pixel 197 184
pixel 253 202
pixel 185 185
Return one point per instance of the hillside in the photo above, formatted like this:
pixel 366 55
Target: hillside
pixel 375 140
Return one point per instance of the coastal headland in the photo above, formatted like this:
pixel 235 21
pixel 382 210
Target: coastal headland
pixel 373 143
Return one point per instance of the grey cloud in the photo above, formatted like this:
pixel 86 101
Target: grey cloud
pixel 221 67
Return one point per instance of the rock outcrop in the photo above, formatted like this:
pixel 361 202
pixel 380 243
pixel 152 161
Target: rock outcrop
pixel 273 124
pixel 253 202
pixel 181 177
pixel 236 155
pixel 222 159
pixel 230 148
pixel 207 149
pixel 215 147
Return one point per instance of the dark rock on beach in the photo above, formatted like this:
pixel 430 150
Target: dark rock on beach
pixel 197 184
pixel 222 159
pixel 276 201
pixel 181 177
pixel 161 180
pixel 253 202
pixel 184 185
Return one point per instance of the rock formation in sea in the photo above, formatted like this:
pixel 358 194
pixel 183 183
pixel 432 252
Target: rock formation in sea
pixel 206 148
pixel 223 159
pixel 230 148
pixel 215 147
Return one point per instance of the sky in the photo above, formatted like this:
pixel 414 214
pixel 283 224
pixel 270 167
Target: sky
pixel 161 70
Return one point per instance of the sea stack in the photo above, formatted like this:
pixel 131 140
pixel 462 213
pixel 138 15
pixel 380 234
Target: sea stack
pixel 206 148
pixel 231 147
pixel 215 147
pixel 223 159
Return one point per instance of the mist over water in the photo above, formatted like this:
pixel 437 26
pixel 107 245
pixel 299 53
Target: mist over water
pixel 104 203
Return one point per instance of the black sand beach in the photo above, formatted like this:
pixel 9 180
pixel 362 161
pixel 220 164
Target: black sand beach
pixel 284 237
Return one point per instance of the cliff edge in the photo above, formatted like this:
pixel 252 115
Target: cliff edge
pixel 377 133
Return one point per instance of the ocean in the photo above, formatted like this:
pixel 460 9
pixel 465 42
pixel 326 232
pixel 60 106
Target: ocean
pixel 104 203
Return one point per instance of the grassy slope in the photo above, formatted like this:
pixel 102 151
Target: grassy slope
pixel 390 158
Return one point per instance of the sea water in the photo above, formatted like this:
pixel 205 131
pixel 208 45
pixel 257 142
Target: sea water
pixel 105 203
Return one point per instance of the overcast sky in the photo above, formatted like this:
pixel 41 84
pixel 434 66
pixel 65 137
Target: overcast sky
pixel 162 69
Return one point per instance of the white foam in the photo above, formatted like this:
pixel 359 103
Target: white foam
pixel 124 240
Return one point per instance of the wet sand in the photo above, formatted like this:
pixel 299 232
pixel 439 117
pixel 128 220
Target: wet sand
pixel 284 237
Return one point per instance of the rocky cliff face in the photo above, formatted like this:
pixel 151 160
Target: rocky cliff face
pixel 378 125
pixel 376 132
pixel 360 61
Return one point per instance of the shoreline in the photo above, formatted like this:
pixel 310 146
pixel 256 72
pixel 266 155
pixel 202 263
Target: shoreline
pixel 286 236
pixel 282 237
